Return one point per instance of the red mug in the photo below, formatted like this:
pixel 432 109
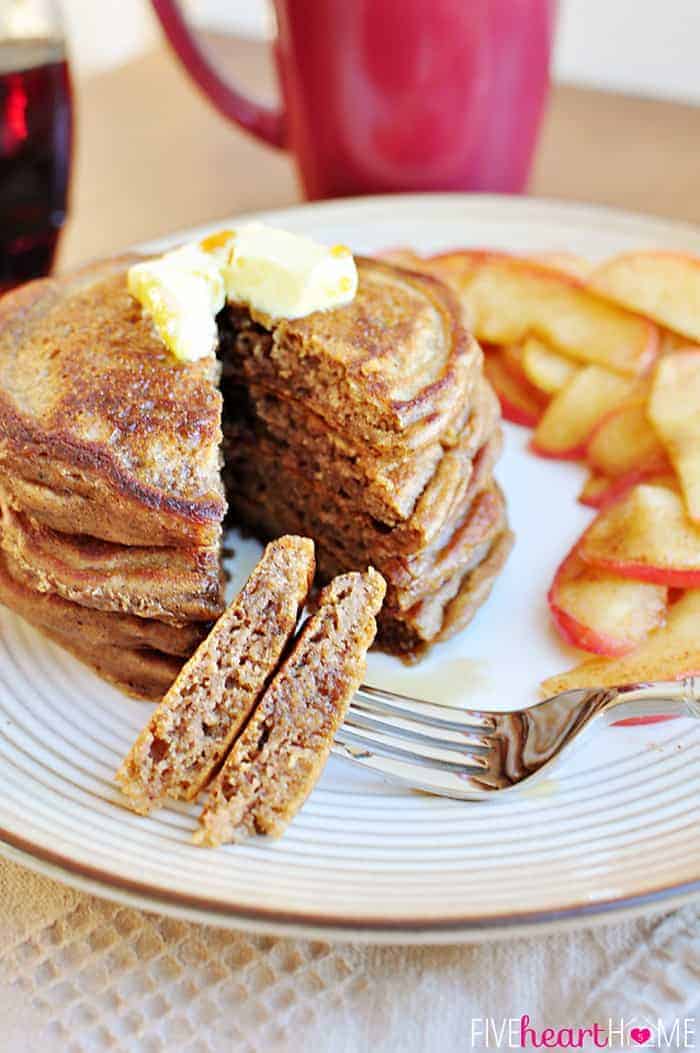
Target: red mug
pixel 396 95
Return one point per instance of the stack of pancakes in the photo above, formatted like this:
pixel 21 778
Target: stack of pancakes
pixel 373 430
pixel 110 493
pixel 369 428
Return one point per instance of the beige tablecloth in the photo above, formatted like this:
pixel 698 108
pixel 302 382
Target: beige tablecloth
pixel 80 974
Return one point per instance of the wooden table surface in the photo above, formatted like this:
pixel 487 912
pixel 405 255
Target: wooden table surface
pixel 152 156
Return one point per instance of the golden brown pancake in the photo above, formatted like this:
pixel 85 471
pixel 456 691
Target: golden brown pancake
pixel 93 629
pixel 451 608
pixel 93 407
pixel 141 673
pixel 171 584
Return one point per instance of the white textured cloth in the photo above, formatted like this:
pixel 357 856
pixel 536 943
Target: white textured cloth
pixel 79 974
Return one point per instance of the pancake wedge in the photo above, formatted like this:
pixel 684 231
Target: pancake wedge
pixel 278 759
pixel 193 727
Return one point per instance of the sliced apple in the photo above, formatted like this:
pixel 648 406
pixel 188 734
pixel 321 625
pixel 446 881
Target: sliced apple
pixel 594 488
pixel 571 416
pixel 624 441
pixel 674 410
pixel 664 286
pixel 508 298
pixel 668 653
pixel 601 612
pixel 647 536
pixel 545 368
pixel 600 491
pixel 520 402
pixel 512 358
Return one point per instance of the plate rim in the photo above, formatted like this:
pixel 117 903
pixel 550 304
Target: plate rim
pixel 462 929
pixel 413 930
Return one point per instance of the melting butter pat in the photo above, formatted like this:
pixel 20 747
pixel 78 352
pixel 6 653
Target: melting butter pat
pixel 284 275
pixel 182 291
pixel 276 273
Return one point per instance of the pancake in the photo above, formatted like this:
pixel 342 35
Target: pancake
pixel 143 674
pixel 171 584
pixel 482 501
pixel 93 629
pixel 386 491
pixel 468 543
pixel 393 362
pixel 109 431
pixel 261 493
pixel 441 615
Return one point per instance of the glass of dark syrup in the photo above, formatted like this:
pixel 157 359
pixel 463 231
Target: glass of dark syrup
pixel 35 137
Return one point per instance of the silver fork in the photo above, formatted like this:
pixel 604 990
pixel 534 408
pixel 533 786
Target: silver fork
pixel 471 754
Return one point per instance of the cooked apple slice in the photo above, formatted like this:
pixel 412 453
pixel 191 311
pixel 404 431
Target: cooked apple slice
pixel 512 358
pixel 664 286
pixel 674 410
pixel 571 416
pixel 601 612
pixel 546 369
pixel 600 491
pixel 668 653
pixel 594 488
pixel 624 441
pixel 647 536
pixel 520 402
pixel 508 299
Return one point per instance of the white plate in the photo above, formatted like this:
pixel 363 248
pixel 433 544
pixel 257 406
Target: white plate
pixel 617 830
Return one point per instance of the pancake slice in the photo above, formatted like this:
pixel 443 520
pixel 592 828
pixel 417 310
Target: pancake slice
pixel 278 759
pixel 193 727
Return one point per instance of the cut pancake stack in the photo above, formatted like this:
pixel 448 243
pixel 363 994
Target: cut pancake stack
pixel 110 496
pixel 373 430
pixel 369 428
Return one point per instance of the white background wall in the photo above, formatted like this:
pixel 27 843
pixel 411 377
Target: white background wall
pixel 650 47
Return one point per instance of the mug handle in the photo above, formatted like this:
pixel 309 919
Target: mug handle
pixel 264 122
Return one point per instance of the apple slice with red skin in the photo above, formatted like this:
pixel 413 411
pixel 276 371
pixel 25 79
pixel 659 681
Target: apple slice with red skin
pixel 508 298
pixel 594 489
pixel 664 286
pixel 647 536
pixel 600 491
pixel 512 358
pixel 573 413
pixel 624 441
pixel 545 368
pixel 668 653
pixel 601 612
pixel 520 402
pixel 674 410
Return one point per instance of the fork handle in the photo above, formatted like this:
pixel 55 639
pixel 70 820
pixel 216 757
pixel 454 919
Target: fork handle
pixel 662 698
